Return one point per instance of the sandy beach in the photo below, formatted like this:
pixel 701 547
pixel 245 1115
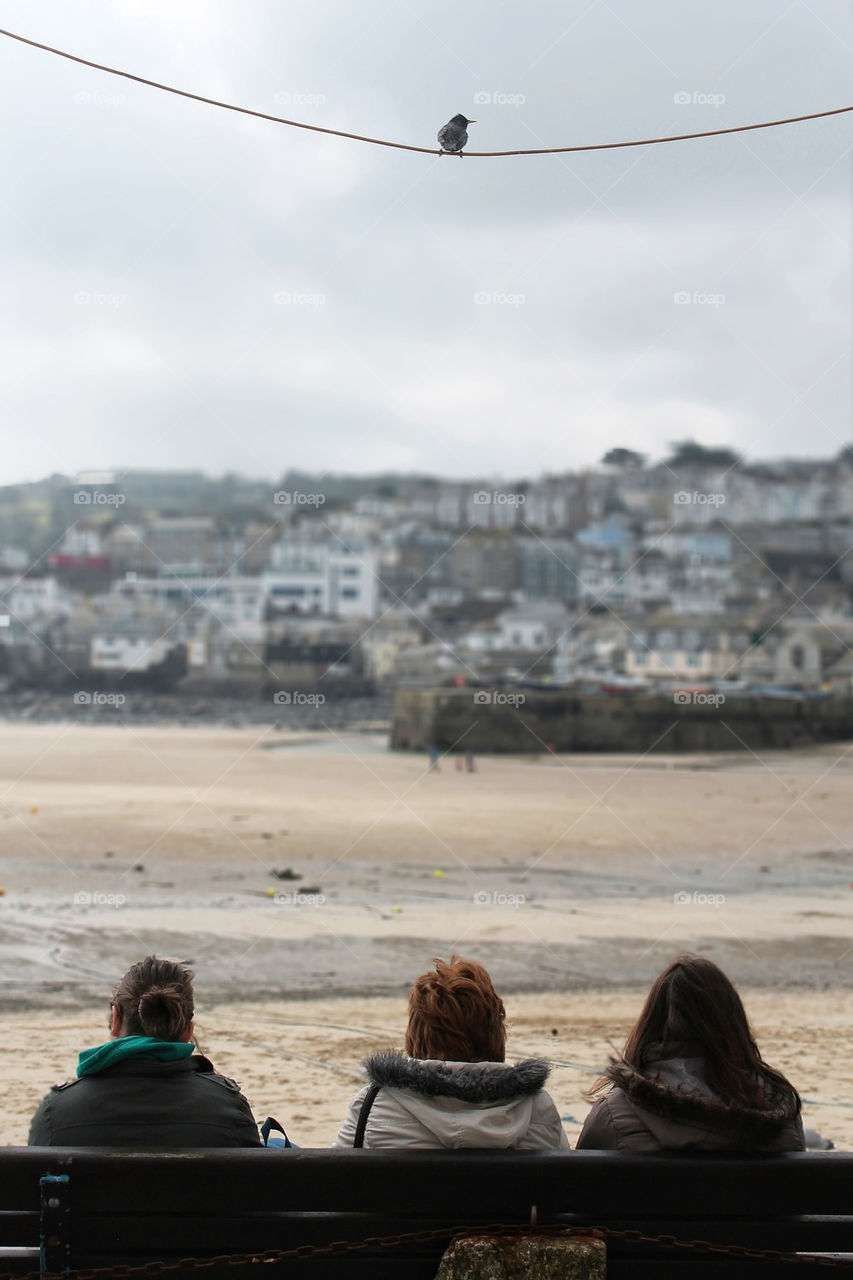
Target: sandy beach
pixel 308 878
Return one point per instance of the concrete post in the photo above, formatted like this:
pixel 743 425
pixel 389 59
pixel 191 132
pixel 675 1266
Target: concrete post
pixel 524 1258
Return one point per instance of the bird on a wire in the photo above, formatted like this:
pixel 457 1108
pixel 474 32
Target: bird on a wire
pixel 453 136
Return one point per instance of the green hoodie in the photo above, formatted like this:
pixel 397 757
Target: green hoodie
pixel 103 1056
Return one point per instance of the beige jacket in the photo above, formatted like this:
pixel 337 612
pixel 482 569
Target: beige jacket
pixel 429 1104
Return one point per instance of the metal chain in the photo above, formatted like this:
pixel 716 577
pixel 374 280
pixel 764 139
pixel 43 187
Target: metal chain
pixel 498 1229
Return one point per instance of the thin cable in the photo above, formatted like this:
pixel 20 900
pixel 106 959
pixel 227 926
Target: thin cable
pixel 405 146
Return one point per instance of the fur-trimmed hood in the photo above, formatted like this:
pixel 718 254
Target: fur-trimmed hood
pixel 472 1082
pixel 450 1105
pixel 676 1090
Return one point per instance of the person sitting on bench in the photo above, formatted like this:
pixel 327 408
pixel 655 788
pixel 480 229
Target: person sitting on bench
pixel 452 1087
pixel 691 1076
pixel 146 1088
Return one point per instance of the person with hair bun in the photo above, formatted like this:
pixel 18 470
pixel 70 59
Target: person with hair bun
pixel 452 1087
pixel 146 1088
pixel 691 1077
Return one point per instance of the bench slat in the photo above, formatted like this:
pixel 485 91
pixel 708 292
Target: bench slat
pixel 180 1235
pixel 496 1183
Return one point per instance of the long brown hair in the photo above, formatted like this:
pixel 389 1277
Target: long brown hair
pixel 155 998
pixel 693 1003
pixel 455 1015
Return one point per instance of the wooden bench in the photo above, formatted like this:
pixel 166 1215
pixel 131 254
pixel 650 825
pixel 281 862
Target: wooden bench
pixel 96 1209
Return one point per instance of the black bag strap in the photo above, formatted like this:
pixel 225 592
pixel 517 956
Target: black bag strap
pixel 270 1124
pixel 369 1099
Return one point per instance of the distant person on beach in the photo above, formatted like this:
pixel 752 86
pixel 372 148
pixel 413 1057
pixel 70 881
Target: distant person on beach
pixel 146 1088
pixel 452 1087
pixel 691 1077
pixel 433 759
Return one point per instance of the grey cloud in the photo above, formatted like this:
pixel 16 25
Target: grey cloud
pixel 199 220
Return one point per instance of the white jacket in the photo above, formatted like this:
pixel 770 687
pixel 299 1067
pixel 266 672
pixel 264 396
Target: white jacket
pixel 425 1103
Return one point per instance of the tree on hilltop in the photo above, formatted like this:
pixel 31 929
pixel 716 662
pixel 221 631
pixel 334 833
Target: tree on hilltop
pixel 623 458
pixel 689 453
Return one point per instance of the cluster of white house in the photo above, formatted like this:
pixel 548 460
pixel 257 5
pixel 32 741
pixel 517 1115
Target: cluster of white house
pixel 644 574
pixel 228 622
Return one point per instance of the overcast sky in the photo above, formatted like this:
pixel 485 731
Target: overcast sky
pixel 185 287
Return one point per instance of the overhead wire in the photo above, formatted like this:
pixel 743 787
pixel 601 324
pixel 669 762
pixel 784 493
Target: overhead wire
pixel 406 146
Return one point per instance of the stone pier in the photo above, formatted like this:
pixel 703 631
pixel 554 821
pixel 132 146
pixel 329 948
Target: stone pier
pixel 523 720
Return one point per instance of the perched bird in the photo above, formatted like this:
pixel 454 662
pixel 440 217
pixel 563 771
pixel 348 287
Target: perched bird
pixel 453 136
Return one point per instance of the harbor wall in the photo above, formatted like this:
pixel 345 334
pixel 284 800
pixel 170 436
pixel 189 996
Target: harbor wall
pixel 535 720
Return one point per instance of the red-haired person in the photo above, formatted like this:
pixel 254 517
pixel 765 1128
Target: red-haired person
pixel 691 1077
pixel 452 1087
pixel 146 1088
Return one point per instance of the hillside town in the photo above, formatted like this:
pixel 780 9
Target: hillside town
pixel 693 571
